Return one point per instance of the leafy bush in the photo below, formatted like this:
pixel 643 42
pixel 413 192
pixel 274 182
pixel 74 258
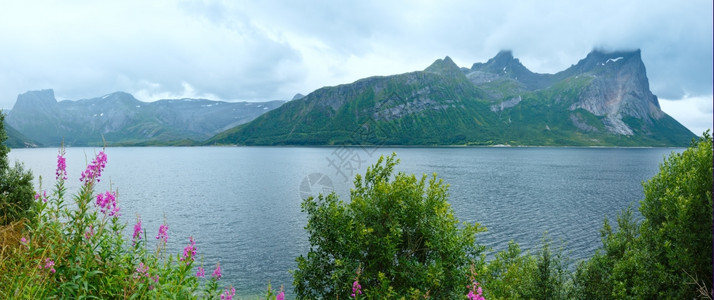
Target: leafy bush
pixel 676 232
pixel 667 255
pixel 516 275
pixel 15 185
pixel 397 237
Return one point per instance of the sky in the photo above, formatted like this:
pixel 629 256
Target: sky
pixel 268 50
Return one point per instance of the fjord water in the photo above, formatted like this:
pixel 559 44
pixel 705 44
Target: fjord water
pixel 242 204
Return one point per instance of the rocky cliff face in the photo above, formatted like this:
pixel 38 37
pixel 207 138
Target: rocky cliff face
pixel 619 89
pixel 617 86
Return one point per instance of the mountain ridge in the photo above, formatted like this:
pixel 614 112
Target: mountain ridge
pixel 120 118
pixel 603 100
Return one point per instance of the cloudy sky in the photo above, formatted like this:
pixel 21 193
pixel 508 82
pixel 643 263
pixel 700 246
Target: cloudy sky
pixel 266 50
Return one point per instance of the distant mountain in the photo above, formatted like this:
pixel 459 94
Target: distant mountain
pixel 15 139
pixel 603 100
pixel 121 119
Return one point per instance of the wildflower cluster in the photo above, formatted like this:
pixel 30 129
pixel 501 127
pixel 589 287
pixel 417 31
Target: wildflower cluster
pixel 107 203
pixel 43 196
pixel 61 172
pixel 137 231
pixel 50 265
pixel 356 289
pixel 217 272
pixel 228 294
pixel 189 252
pixel 163 235
pixel 94 170
pixel 101 265
pixel 475 292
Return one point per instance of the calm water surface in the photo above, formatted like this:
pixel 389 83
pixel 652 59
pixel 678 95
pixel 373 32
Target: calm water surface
pixel 242 204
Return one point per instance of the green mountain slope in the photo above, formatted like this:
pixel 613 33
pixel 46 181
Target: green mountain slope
pixel 604 100
pixel 15 139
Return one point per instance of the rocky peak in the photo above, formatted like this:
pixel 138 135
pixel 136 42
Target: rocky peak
pixel 601 60
pixel 32 100
pixel 445 66
pixel 504 65
pixel 297 96
pixel 619 88
pixel 503 62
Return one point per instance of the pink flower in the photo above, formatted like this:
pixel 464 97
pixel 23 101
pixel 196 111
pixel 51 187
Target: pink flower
pixel 61 173
pixel 89 234
pixel 217 272
pixel 107 202
pixel 163 234
pixel 356 289
pixel 94 170
pixel 137 230
pixel 201 272
pixel 23 240
pixel 228 295
pixel 142 270
pixel 475 292
pixel 49 264
pixel 280 296
pixel 43 196
pixel 189 252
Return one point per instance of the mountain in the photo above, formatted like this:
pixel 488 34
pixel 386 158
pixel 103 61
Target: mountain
pixel 121 119
pixel 603 100
pixel 15 139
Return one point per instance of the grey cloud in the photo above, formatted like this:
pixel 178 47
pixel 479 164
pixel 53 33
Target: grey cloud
pixel 256 50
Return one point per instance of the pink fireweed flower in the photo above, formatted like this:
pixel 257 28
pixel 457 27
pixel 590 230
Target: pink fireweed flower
pixel 49 264
pixel 142 270
pixel 217 272
pixel 189 252
pixel 475 292
pixel 94 169
pixel 228 295
pixel 107 203
pixel 356 289
pixel 61 173
pixel 280 296
pixel 90 233
pixel 163 234
pixel 201 272
pixel 137 230
pixel 42 196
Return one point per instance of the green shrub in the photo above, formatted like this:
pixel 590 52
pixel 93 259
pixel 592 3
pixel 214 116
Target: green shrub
pixel 676 231
pixel 667 255
pixel 397 237
pixel 516 275
pixel 16 189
